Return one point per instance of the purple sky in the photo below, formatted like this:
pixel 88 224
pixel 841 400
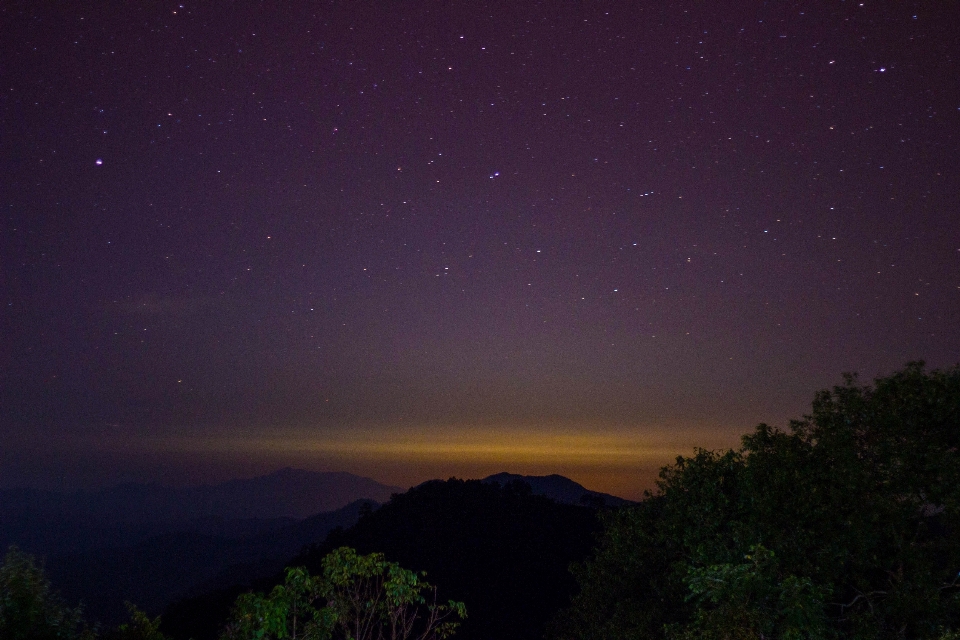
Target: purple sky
pixel 417 239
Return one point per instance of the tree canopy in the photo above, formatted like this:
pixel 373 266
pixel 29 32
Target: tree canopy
pixel 356 598
pixel 29 607
pixel 501 550
pixel 842 526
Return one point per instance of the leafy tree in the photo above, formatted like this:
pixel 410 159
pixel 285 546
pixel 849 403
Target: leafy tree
pixel 498 548
pixel 29 608
pixel 857 505
pixel 356 597
pixel 501 549
pixel 753 600
pixel 289 611
pixel 140 627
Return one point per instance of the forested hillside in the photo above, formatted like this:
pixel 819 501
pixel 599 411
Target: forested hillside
pixel 500 549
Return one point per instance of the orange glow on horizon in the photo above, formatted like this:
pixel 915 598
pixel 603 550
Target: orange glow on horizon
pixel 621 462
pixel 465 444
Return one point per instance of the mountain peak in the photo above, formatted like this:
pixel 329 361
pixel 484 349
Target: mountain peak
pixel 559 488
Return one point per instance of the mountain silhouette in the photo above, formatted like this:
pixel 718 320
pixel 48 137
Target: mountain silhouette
pixel 163 568
pixel 560 488
pixel 500 549
pixel 48 523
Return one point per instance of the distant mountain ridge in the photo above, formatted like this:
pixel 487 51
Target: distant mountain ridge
pixel 154 544
pixel 49 523
pixel 160 569
pixel 560 488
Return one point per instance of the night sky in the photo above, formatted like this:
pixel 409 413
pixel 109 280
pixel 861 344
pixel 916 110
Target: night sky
pixel 426 239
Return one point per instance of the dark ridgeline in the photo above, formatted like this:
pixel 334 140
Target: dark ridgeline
pixel 561 489
pixel 167 567
pixel 48 523
pixel 502 550
pixel 152 544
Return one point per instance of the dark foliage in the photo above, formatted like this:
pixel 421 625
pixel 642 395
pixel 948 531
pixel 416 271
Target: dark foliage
pixel 844 526
pixel 30 609
pixel 502 551
pixel 202 617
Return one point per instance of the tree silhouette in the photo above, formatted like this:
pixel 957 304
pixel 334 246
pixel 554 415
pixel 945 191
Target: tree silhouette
pixel 858 505
pixel 356 597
